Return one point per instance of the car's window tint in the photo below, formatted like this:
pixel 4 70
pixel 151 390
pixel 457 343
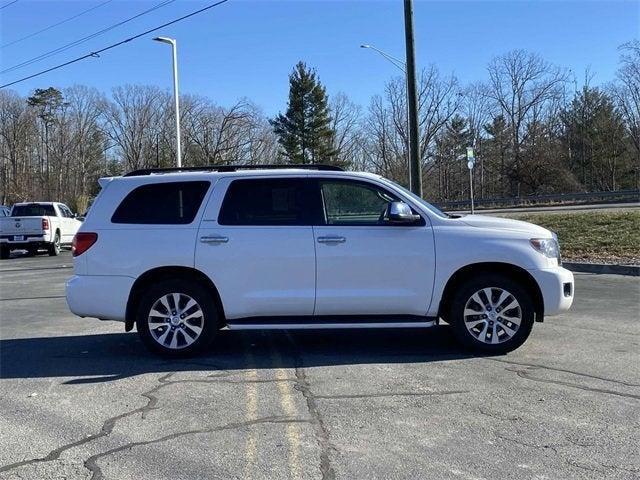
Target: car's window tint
pixel 33 210
pixel 65 211
pixel 173 203
pixel 354 203
pixel 266 202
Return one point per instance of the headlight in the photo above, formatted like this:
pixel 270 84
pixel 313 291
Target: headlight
pixel 546 246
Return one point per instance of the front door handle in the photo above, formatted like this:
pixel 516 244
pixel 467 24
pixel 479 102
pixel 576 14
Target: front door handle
pixel 214 239
pixel 331 239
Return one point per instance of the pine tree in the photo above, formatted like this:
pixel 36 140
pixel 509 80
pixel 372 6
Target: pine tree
pixel 594 134
pixel 451 145
pixel 304 131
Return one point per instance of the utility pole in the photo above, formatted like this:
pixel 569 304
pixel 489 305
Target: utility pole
pixel 471 162
pixel 415 168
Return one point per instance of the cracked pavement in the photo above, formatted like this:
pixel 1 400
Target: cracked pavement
pixel 81 399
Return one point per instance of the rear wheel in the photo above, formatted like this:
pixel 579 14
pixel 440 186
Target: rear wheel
pixel 492 313
pixel 176 318
pixel 54 248
pixel 4 253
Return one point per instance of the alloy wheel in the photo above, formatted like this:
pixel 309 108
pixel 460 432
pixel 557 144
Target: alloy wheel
pixel 492 315
pixel 175 321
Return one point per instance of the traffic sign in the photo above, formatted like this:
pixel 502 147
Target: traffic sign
pixel 470 155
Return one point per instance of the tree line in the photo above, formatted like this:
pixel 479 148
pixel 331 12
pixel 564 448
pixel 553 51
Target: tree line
pixel 534 130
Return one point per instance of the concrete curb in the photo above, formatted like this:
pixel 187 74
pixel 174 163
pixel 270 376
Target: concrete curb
pixel 632 270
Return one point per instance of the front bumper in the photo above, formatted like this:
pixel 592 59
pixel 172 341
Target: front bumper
pixel 557 287
pixel 100 296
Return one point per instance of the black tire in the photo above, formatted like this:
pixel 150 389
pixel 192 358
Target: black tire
pixel 54 248
pixel 494 321
pixel 183 331
pixel 4 253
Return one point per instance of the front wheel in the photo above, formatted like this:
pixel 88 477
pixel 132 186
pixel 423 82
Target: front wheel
pixel 176 318
pixel 492 313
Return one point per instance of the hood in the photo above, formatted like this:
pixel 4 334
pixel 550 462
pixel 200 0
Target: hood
pixel 498 223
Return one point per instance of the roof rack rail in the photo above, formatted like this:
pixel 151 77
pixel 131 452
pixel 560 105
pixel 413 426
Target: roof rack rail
pixel 232 168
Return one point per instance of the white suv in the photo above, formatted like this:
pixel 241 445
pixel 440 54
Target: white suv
pixel 184 253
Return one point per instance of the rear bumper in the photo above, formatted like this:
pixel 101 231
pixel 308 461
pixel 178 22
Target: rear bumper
pixel 7 241
pixel 557 287
pixel 100 296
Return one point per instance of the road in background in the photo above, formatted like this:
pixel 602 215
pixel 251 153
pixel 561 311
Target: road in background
pixel 82 399
pixel 555 209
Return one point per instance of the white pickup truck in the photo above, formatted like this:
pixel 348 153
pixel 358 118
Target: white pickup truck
pixel 32 226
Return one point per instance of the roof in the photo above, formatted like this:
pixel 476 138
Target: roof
pixel 235 168
pixel 195 174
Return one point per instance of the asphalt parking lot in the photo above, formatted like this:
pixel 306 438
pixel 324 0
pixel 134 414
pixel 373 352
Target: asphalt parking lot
pixel 82 399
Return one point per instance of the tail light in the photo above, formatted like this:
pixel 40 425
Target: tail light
pixel 82 241
pixel 45 224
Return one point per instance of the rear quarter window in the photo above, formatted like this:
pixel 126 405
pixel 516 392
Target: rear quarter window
pixel 171 203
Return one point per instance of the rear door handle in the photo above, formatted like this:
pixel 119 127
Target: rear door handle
pixel 331 239
pixel 214 239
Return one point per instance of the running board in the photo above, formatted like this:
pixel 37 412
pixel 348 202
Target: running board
pixel 328 326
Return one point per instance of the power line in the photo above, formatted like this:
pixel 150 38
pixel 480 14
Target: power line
pixel 7 4
pixel 84 39
pixel 54 25
pixel 98 52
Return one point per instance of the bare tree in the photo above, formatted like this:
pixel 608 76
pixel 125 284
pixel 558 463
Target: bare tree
pixel 223 136
pixel 17 137
pixel 626 92
pixel 524 88
pixel 345 123
pixel 133 120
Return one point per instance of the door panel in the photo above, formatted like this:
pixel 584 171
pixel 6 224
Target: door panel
pixel 367 266
pixel 259 269
pixel 374 270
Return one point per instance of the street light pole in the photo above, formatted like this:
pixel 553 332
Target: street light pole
pixel 176 97
pixel 402 67
pixel 414 163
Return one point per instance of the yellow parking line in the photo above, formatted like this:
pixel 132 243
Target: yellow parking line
pixel 251 442
pixel 288 406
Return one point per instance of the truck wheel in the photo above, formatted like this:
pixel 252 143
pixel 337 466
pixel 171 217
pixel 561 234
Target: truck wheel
pixel 54 248
pixel 492 313
pixel 176 318
pixel 4 253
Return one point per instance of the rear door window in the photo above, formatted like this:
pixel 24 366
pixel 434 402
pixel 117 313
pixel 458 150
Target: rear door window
pixel 171 203
pixel 279 201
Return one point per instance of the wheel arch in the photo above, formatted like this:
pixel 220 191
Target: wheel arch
pixel 162 273
pixel 508 269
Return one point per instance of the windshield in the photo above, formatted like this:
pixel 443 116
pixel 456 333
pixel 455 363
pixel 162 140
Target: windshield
pixel 33 210
pixel 416 198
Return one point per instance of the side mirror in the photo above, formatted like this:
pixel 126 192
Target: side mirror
pixel 400 212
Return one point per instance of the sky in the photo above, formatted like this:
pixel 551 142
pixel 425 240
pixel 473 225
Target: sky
pixel 248 48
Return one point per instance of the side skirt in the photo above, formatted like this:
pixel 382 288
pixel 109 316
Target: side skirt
pixel 331 322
